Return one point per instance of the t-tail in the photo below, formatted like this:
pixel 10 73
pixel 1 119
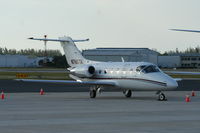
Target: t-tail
pixel 72 54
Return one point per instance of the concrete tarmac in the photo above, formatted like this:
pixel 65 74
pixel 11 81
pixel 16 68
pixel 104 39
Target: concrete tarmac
pixel 111 112
pixel 19 86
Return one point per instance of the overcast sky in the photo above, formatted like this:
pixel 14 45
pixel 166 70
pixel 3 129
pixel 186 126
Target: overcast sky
pixel 108 23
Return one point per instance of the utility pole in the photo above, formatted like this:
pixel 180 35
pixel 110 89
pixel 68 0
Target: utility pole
pixel 45 50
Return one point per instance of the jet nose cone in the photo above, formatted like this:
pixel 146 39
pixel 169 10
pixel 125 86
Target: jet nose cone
pixel 172 84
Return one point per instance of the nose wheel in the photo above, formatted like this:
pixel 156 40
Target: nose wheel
pixel 127 93
pixel 161 96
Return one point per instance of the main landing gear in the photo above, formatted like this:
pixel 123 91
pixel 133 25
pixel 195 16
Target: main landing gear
pixel 127 93
pixel 94 90
pixel 93 93
pixel 161 96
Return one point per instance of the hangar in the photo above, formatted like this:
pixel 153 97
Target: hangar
pixel 116 54
pixel 170 61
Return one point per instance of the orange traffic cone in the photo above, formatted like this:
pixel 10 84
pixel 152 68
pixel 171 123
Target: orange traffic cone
pixel 41 91
pixel 187 98
pixel 2 95
pixel 193 93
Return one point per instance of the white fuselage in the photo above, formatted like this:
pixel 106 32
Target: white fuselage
pixel 127 75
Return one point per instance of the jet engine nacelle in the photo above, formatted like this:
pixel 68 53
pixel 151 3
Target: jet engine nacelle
pixel 83 71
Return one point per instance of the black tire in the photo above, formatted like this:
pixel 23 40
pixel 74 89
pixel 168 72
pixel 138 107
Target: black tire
pixel 161 97
pixel 93 93
pixel 124 92
pixel 128 93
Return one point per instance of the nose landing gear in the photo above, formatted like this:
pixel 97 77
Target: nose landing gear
pixel 127 93
pixel 161 96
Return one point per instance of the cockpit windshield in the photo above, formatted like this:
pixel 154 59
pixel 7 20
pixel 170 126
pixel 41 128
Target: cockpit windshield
pixel 138 69
pixel 147 69
pixel 150 69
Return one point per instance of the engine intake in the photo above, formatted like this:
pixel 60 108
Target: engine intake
pixel 84 71
pixel 91 69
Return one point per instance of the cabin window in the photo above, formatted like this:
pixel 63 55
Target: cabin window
pixel 105 71
pixel 99 71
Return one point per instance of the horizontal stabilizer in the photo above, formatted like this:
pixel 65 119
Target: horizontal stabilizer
pixel 57 40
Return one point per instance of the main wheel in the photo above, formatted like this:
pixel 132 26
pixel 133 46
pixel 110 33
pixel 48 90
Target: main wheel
pixel 93 93
pixel 128 93
pixel 161 97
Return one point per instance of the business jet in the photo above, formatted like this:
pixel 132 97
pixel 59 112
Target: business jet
pixel 127 76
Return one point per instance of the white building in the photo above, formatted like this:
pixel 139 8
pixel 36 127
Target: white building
pixel 18 61
pixel 189 60
pixel 116 54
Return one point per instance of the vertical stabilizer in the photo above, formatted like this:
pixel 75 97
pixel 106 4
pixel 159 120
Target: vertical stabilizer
pixel 72 54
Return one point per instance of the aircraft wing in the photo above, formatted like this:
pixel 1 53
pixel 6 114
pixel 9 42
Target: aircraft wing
pixel 71 82
pixel 196 31
pixel 178 79
pixel 182 73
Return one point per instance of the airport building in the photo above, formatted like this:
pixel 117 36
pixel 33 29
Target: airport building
pixel 189 60
pixel 116 54
pixel 19 61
